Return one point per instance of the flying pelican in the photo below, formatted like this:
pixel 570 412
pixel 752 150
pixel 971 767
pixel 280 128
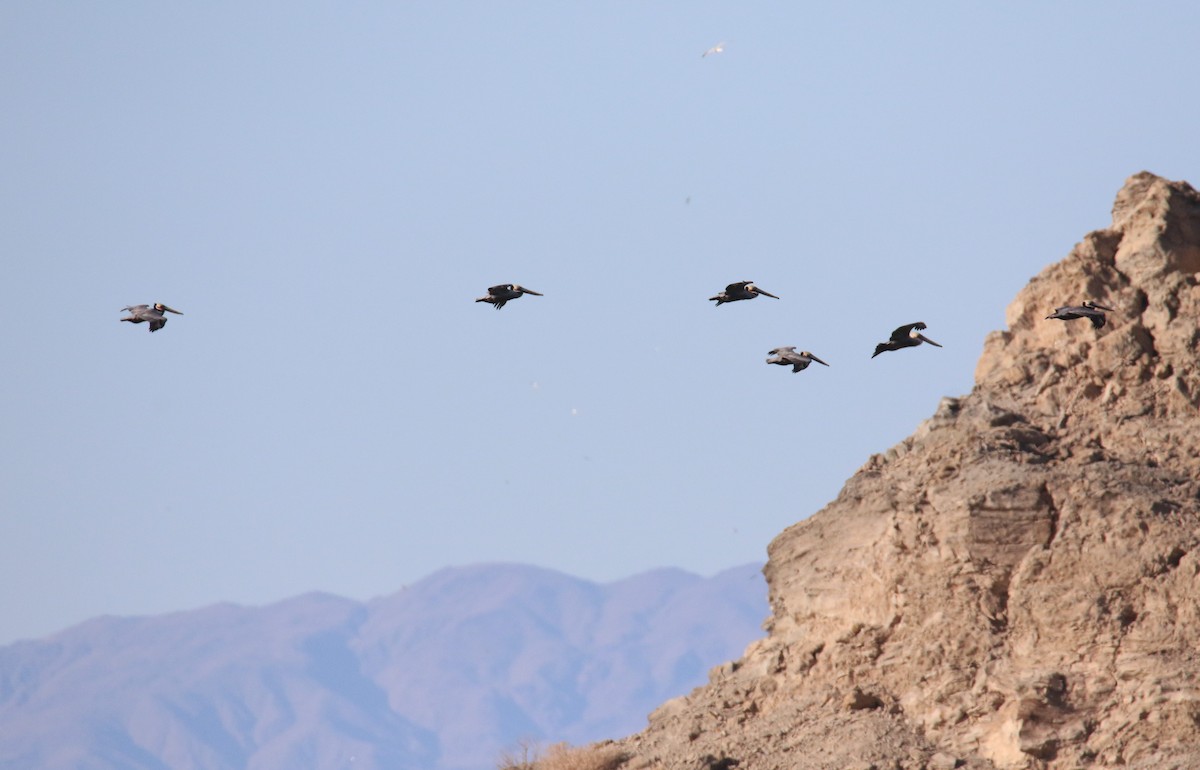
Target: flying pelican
pixel 787 356
pixel 740 290
pixel 718 48
pixel 498 295
pixel 906 336
pixel 1089 310
pixel 152 314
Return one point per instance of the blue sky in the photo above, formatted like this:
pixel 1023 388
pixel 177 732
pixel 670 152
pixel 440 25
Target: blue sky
pixel 323 189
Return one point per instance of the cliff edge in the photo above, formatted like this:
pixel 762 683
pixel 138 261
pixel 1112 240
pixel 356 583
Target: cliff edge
pixel 1017 584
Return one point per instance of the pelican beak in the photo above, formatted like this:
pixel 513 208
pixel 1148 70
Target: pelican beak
pixel 1102 307
pixel 923 338
pixel 531 291
pixel 171 310
pixel 760 291
pixel 819 361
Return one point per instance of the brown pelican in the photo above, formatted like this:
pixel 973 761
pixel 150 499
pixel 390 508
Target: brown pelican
pixel 1089 310
pixel 151 314
pixel 498 295
pixel 787 356
pixel 740 290
pixel 906 336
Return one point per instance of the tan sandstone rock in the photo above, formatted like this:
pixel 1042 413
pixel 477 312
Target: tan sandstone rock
pixel 1016 585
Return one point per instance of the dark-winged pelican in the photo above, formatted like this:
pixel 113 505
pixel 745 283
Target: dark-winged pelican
pixel 151 314
pixel 1089 310
pixel 498 295
pixel 740 290
pixel 906 336
pixel 787 356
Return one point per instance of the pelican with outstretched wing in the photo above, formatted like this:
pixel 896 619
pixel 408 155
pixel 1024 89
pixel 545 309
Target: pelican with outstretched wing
pixel 907 336
pixel 1089 310
pixel 787 356
pixel 498 295
pixel 739 291
pixel 151 314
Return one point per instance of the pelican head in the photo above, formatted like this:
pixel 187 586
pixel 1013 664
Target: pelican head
pixel 160 307
pixel 522 290
pixel 750 287
pixel 806 354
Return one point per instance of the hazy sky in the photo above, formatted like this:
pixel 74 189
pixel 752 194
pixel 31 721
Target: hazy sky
pixel 323 189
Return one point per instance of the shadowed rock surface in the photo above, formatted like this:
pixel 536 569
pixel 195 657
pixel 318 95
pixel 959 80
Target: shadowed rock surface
pixel 1017 584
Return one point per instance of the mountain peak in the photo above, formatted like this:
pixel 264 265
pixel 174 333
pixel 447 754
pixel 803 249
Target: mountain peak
pixel 1144 267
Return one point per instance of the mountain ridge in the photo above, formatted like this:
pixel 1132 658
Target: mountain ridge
pixel 445 673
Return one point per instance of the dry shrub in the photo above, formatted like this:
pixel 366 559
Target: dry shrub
pixel 523 757
pixel 560 756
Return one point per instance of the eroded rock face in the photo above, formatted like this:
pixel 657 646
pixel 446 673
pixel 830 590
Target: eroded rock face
pixel 1016 585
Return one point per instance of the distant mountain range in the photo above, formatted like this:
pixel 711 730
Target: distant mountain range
pixel 445 674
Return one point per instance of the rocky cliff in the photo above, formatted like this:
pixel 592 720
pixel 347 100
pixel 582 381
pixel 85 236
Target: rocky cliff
pixel 1017 584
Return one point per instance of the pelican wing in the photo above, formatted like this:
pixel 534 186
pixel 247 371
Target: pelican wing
pixel 904 332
